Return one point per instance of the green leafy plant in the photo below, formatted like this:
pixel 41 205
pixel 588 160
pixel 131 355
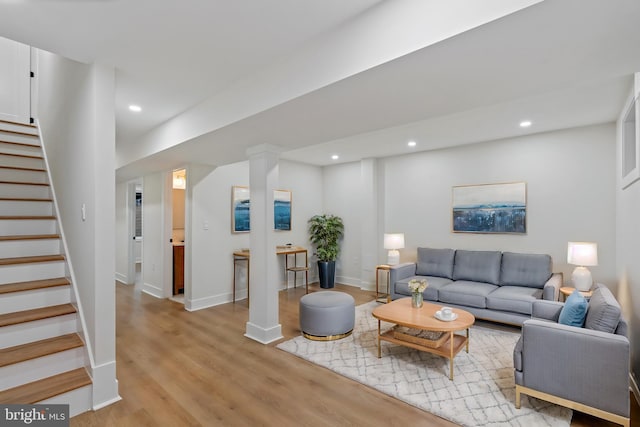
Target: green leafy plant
pixel 325 231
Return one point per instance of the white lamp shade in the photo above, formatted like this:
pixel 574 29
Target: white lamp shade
pixel 394 241
pixel 584 254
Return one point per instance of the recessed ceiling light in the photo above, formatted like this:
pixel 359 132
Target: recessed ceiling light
pixel 412 143
pixel 335 157
pixel 135 108
pixel 525 123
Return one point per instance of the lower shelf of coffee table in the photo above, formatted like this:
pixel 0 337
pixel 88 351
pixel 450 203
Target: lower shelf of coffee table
pixel 444 349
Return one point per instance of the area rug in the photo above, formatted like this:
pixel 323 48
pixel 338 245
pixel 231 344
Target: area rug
pixel 482 392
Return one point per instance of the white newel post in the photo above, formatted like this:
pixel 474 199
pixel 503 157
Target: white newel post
pixel 263 325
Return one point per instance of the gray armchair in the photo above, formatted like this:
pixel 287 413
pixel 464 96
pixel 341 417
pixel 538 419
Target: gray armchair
pixel 586 369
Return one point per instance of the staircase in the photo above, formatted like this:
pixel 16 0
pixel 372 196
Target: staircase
pixel 42 354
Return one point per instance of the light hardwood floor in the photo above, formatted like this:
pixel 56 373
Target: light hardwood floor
pixel 177 368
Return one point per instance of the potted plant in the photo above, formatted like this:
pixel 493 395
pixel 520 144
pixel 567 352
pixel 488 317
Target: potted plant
pixel 325 231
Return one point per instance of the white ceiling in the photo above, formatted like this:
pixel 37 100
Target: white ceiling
pixel 560 63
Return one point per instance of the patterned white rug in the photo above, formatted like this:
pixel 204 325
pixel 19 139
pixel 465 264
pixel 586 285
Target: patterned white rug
pixel 481 394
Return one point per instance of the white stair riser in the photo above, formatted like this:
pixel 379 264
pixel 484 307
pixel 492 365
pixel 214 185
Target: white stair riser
pixel 17 175
pixel 26 150
pixel 16 227
pixel 20 248
pixel 19 190
pixel 17 128
pixel 79 400
pixel 41 367
pixel 24 333
pixel 34 271
pixel 24 162
pixel 22 139
pixel 20 301
pixel 12 207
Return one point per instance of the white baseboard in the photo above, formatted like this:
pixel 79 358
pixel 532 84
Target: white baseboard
pixel 202 303
pixel 263 335
pixel 121 278
pixel 105 385
pixel 152 290
pixel 351 281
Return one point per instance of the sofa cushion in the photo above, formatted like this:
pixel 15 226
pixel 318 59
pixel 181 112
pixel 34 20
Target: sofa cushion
pixel 431 293
pixel 462 292
pixel 604 311
pixel 518 299
pixel 477 266
pixel 531 270
pixel 574 310
pixel 435 262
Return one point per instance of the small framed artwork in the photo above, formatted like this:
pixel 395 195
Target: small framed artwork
pixel 490 208
pixel 240 209
pixel 282 210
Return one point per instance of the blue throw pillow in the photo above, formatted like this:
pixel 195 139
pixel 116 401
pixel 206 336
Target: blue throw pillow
pixel 574 310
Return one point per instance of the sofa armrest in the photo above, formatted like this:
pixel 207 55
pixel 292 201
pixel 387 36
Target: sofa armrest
pixel 551 289
pixel 547 310
pixel 583 365
pixel 399 272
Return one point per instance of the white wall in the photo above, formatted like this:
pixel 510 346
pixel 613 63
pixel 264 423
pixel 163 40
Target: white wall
pixel 77 123
pixel 570 177
pixel 628 251
pixel 122 232
pixel 152 232
pixel 342 188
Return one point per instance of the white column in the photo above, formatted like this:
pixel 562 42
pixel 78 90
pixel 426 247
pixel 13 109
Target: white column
pixel 263 325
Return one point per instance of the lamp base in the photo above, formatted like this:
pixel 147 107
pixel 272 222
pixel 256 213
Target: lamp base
pixel 393 257
pixel 581 279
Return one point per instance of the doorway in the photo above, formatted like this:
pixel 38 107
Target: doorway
pixel 179 185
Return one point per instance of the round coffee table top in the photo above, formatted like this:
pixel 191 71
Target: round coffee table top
pixel 402 313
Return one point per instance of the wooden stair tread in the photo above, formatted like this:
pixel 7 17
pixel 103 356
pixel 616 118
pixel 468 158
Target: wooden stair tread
pixel 24 199
pixel 46 388
pixel 29 217
pixel 42 184
pixel 33 350
pixel 36 314
pixel 18 168
pixel 31 259
pixel 21 155
pixel 29 237
pixel 27 125
pixel 33 285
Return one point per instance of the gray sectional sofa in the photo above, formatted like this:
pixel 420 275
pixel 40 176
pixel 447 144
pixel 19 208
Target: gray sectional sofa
pixel 492 285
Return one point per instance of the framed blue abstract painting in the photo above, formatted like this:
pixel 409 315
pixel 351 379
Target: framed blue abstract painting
pixel 282 210
pixel 490 208
pixel 240 209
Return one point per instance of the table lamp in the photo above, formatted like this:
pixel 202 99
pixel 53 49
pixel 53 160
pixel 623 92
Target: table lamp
pixel 583 255
pixel 393 242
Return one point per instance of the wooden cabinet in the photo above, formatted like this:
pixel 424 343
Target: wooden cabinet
pixel 178 269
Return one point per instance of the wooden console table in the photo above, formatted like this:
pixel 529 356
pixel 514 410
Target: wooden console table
pixel 244 255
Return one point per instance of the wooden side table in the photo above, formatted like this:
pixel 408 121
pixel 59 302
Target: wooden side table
pixel 568 290
pixel 385 297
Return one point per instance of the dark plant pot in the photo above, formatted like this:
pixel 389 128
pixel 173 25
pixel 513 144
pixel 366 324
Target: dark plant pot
pixel 327 273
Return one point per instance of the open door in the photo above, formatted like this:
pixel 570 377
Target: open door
pixel 15 81
pixel 178 198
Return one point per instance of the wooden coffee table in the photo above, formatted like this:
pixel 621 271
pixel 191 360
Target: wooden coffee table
pixel 401 313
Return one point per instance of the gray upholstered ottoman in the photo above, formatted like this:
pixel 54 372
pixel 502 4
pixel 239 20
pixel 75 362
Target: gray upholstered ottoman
pixel 327 315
